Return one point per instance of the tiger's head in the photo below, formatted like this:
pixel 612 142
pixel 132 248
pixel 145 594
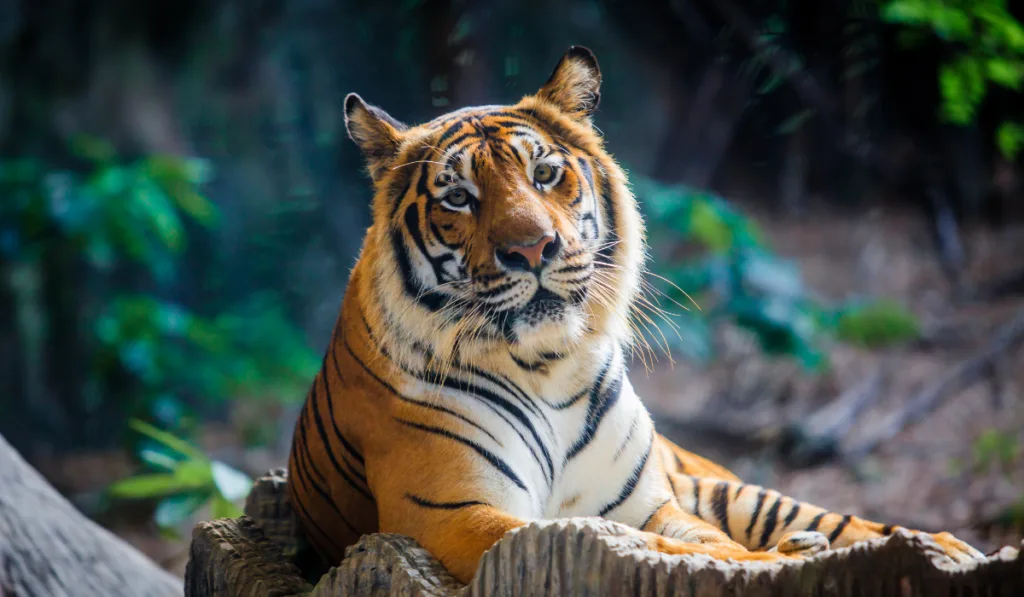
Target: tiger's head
pixel 501 226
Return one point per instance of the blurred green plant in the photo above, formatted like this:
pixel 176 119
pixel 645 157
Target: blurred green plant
pixel 739 279
pixel 987 44
pixel 182 479
pixel 111 214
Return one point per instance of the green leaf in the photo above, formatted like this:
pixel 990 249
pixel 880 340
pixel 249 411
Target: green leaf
pixel 1010 139
pixel 1007 73
pixel 910 12
pixel 145 486
pixel 880 323
pixel 167 439
pixel 709 227
pixel 176 509
pixel 794 122
pixel 222 508
pixel 231 483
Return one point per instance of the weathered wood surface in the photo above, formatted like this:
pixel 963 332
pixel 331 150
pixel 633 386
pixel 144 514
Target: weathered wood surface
pixel 49 549
pixel 587 557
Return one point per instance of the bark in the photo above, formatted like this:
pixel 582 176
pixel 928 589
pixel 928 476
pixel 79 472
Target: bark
pixel 49 549
pixel 581 556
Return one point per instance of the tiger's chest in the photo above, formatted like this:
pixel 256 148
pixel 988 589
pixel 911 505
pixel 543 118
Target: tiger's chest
pixel 584 452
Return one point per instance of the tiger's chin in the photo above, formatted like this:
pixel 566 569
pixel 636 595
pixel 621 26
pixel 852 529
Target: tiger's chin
pixel 547 325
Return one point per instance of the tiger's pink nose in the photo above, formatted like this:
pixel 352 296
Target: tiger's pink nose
pixel 530 257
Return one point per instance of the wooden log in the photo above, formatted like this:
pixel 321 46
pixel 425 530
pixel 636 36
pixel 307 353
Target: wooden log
pixel 580 556
pixel 49 549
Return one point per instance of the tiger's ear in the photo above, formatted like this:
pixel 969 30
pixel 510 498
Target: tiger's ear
pixel 575 85
pixel 377 134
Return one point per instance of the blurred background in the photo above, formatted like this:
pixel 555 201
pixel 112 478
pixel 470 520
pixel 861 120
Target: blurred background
pixel 838 186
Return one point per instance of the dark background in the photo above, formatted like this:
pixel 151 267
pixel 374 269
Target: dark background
pixel 837 184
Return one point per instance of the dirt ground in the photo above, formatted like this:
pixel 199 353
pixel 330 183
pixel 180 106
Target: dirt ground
pixel 732 411
pixel 926 476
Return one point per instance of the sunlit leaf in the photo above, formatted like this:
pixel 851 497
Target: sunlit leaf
pixel 167 439
pixel 176 509
pixel 145 486
pixel 232 483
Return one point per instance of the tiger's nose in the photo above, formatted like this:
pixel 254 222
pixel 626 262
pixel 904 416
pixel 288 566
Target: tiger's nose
pixel 531 257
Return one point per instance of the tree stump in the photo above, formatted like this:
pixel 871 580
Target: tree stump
pixel 255 556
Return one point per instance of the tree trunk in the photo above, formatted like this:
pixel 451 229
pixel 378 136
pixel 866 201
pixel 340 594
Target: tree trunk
pixel 580 556
pixel 49 549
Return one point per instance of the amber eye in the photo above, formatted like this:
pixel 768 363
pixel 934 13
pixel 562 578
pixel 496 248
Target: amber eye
pixel 457 197
pixel 543 173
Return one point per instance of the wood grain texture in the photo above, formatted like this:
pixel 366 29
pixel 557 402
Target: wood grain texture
pixel 49 549
pixel 589 557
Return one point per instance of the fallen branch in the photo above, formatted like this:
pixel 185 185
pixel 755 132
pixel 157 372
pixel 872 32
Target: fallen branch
pixel 935 395
pixel 49 549
pixel 818 437
pixel 581 556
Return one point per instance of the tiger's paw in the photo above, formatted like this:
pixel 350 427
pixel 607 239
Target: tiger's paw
pixel 960 552
pixel 801 543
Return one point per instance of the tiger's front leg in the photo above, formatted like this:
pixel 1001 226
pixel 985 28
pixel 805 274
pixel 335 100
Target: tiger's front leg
pixel 760 518
pixel 458 503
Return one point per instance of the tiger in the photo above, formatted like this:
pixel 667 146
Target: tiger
pixel 476 377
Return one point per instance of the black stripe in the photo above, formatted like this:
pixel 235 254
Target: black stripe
pixel 887 530
pixel 680 467
pixel 792 515
pixel 612 223
pixel 322 430
pixel 770 521
pixel 625 440
pixel 631 483
pixel 489 456
pixel 720 505
pixel 507 386
pixel 451 132
pixel 425 503
pixel 405 178
pixel 412 224
pixel 402 397
pixel 571 401
pixel 696 495
pixel 757 512
pixel 672 485
pixel 429 300
pixel 489 396
pixel 648 520
pixel 311 483
pixel 839 529
pixel 600 404
pixel 531 367
pixel 815 522
pixel 349 448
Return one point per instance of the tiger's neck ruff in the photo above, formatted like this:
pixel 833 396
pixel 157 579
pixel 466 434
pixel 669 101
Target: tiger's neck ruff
pixel 476 378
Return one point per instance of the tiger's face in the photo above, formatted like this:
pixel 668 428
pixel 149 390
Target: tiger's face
pixel 505 224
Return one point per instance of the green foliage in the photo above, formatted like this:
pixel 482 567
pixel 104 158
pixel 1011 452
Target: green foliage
pixel 989 47
pixel 182 480
pixel 875 324
pixel 742 281
pixel 248 351
pixel 114 212
pixel 131 218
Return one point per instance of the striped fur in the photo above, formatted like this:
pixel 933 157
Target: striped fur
pixel 469 389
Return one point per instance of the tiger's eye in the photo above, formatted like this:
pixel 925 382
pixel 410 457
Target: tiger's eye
pixel 543 173
pixel 457 197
